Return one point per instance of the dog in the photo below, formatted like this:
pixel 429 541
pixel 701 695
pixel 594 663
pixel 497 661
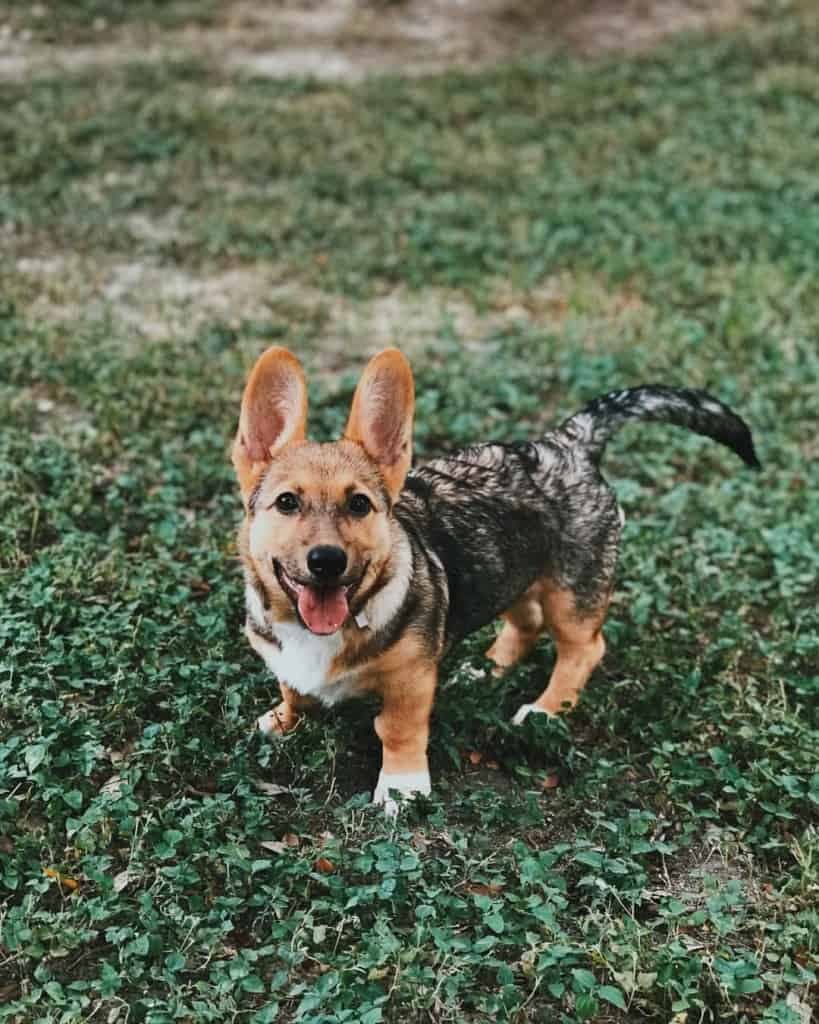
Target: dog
pixel 362 573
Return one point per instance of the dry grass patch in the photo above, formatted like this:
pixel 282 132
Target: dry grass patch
pixel 159 302
pixel 350 39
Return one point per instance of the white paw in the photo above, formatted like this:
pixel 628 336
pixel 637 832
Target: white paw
pixel 405 783
pixel 269 724
pixel 525 710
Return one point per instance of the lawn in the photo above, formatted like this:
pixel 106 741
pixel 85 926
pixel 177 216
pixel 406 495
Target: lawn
pixel 532 234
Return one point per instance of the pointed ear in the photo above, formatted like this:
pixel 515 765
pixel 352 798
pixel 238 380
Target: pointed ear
pixel 381 416
pixel 274 413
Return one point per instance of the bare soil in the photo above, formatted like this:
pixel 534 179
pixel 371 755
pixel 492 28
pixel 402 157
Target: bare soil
pixel 350 39
pixel 154 303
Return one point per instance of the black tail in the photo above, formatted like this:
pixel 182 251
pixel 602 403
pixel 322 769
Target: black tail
pixel 684 407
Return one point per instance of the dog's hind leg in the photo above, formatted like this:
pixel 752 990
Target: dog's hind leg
pixel 523 624
pixel 578 638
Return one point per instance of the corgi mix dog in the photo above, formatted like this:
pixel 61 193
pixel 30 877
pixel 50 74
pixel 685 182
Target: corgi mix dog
pixel 361 573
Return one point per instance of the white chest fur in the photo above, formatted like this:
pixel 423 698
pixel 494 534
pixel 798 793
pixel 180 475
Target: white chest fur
pixel 301 659
pixel 305 660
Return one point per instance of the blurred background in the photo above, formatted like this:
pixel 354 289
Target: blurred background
pixel 538 202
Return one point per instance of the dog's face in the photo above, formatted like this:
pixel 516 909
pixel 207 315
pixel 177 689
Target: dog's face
pixel 318 532
pixel 319 535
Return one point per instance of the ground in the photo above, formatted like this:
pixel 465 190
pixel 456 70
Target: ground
pixel 538 202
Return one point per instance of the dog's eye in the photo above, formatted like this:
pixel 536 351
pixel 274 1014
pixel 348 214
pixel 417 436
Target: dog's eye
pixel 359 505
pixel 287 503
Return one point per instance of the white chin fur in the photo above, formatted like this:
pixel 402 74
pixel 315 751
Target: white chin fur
pixel 405 783
pixel 525 710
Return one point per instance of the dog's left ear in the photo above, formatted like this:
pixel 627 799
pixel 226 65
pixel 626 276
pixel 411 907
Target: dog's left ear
pixel 381 416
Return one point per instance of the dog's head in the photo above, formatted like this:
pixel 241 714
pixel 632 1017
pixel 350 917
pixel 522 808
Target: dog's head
pixel 318 515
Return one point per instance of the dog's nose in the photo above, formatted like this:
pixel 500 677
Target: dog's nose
pixel 326 562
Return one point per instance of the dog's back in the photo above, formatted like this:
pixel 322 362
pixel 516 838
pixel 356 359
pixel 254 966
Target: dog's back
pixel 496 517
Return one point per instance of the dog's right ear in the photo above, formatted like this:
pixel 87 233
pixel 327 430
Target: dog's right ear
pixel 274 414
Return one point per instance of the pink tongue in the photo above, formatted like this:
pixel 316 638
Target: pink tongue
pixel 323 611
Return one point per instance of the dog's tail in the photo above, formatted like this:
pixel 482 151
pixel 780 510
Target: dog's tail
pixel 592 427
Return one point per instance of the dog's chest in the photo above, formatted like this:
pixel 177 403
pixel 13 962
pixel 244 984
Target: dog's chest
pixel 304 661
pixel 301 659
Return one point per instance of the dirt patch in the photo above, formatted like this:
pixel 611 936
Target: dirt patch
pixel 720 859
pixel 22 58
pixel 153 301
pixel 161 302
pixel 350 39
pixel 637 26
pixel 414 320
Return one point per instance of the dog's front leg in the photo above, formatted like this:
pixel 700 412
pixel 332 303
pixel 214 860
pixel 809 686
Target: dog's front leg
pixel 403 728
pixel 286 715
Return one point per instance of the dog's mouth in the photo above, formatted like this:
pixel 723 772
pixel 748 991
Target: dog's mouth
pixel 321 608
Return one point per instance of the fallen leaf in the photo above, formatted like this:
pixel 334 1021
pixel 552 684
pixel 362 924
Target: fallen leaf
pixel 273 845
pixel 198 792
pixel 493 765
pixel 483 888
pixel 550 781
pixel 121 880
pixel 474 757
pixel 67 883
pixel 290 840
pixel 112 787
pixel 326 867
pixel 270 788
pixel 200 587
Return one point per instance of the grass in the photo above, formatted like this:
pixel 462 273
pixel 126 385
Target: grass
pixel 158 861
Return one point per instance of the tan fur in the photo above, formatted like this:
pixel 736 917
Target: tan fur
pixel 405 679
pixel 577 636
pixel 293 706
pixel 524 625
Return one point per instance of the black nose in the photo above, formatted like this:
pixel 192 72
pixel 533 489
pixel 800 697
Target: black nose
pixel 326 562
